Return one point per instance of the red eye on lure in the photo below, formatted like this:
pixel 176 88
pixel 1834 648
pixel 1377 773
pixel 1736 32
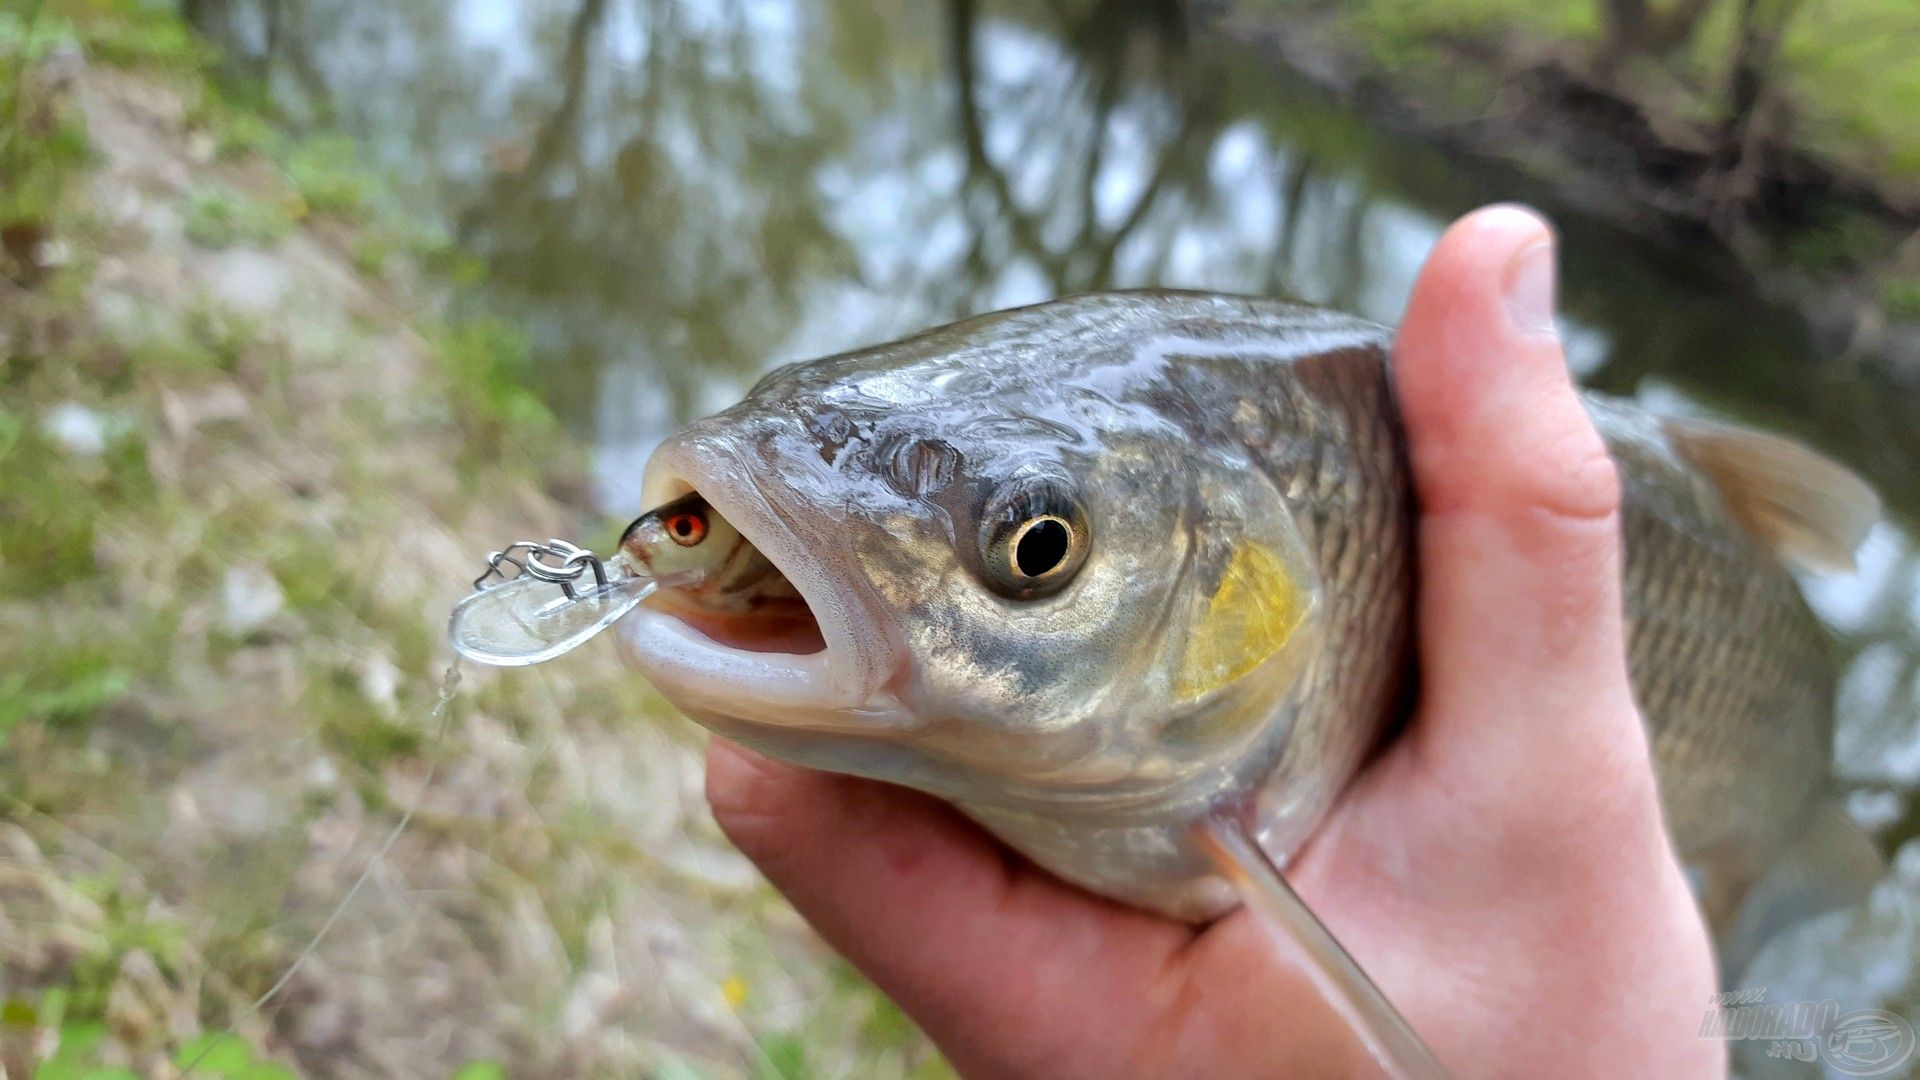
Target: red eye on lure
pixel 687 528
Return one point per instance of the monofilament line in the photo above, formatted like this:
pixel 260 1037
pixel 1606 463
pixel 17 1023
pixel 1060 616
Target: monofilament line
pixel 438 718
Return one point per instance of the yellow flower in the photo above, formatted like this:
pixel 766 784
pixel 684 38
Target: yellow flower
pixel 734 991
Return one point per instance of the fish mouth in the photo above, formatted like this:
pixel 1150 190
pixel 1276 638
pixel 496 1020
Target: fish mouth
pixel 820 664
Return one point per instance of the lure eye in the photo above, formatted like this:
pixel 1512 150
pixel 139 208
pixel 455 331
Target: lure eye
pixel 686 528
pixel 1033 539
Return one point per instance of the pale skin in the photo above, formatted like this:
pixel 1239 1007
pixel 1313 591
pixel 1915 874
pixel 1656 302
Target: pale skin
pixel 1502 870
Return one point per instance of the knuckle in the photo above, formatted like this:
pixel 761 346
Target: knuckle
pixel 1564 516
pixel 1573 480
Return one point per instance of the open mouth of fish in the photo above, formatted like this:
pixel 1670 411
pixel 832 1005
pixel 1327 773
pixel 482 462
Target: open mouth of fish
pixel 815 663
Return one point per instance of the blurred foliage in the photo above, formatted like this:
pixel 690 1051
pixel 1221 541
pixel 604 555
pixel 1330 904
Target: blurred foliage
pixel 487 362
pixel 76 1055
pixel 212 664
pixel 41 142
pixel 1851 71
pixel 72 687
pixel 1784 129
pixel 220 219
pixel 1846 66
pixel 227 1057
pixel 1417 33
pixel 47 504
pixel 326 171
pixel 1902 297
pixel 1836 240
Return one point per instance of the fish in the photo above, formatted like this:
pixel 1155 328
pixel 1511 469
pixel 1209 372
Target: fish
pixel 1097 570
pixel 720 577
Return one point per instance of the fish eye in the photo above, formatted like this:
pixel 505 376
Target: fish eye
pixel 686 528
pixel 1033 540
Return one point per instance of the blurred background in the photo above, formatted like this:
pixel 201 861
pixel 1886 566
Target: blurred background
pixel 305 306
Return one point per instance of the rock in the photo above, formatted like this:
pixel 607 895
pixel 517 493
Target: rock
pixel 79 430
pixel 182 412
pixel 254 282
pixel 380 683
pixel 249 597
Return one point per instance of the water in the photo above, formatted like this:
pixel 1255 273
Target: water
pixel 674 196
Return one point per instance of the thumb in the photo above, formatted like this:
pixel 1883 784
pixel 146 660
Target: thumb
pixel 1521 633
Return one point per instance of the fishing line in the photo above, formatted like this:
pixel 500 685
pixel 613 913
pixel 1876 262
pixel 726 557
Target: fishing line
pixel 540 609
pixel 439 717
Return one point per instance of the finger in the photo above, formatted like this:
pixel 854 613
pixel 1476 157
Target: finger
pixel 1520 611
pixel 1009 971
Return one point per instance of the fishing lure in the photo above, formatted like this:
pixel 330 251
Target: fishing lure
pixel 555 598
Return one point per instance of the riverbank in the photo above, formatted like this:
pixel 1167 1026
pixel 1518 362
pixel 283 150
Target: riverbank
pixel 1786 154
pixel 248 458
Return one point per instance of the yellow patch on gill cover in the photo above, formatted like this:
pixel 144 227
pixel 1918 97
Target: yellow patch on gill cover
pixel 1250 618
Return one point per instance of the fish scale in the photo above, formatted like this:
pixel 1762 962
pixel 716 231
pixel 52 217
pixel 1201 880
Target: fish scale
pixel 1235 459
pixel 1729 666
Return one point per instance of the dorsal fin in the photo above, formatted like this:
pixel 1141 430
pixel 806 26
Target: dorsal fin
pixel 1805 507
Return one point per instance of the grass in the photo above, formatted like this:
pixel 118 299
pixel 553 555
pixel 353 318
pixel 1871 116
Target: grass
pixel 1901 295
pixel 1848 69
pixel 226 1057
pixel 326 171
pixel 47 519
pixel 42 144
pixel 1843 94
pixel 1854 77
pixel 72 688
pixel 487 361
pixel 217 218
pixel 230 524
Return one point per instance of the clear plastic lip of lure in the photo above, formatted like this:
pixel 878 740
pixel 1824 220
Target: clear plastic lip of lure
pixel 562 596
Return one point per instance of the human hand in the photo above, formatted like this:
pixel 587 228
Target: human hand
pixel 1502 870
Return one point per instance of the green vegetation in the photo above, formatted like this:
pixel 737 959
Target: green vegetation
pixel 67 687
pixel 1743 85
pixel 1835 242
pixel 245 462
pixel 221 219
pixel 1843 67
pixel 1400 33
pixel 42 143
pixel 1850 67
pixel 1902 297
pixel 76 1052
pixel 326 172
pixel 486 363
pixel 226 1057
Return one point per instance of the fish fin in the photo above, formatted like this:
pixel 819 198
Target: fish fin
pixel 1238 857
pixel 1252 616
pixel 1832 864
pixel 1808 509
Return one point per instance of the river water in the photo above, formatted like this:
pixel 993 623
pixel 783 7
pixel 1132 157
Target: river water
pixel 671 197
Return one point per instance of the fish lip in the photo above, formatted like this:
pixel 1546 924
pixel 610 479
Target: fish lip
pixel 787 689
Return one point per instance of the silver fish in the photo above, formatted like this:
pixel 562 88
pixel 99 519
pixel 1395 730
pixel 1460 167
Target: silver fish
pixel 1095 569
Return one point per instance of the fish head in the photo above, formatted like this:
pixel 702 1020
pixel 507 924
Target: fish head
pixel 1040 569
